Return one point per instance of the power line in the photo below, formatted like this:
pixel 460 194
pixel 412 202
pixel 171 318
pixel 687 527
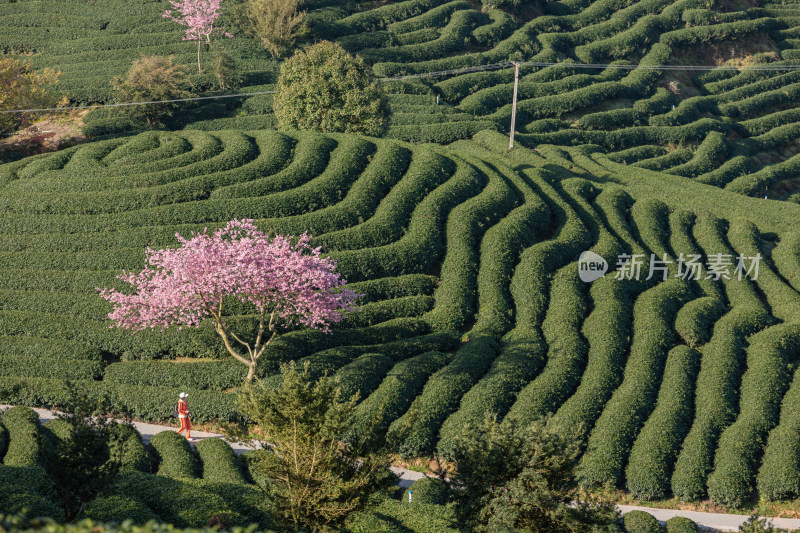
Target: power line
pixel 440 73
pixel 193 99
pixel 510 64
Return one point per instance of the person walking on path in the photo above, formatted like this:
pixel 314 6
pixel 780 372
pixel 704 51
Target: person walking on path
pixel 184 416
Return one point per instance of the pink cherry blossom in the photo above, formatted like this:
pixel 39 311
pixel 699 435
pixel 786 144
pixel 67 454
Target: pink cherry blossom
pixel 198 16
pixel 283 277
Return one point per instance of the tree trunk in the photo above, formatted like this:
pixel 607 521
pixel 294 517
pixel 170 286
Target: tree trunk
pixel 251 372
pixel 198 56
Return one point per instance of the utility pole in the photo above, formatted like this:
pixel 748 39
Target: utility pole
pixel 514 106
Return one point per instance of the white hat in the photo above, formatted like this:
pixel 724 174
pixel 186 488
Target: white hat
pixel 183 395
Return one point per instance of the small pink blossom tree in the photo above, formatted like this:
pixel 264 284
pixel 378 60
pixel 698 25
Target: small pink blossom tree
pixel 198 16
pixel 285 279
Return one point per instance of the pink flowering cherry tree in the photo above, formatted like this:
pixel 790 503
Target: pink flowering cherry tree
pixel 198 16
pixel 283 277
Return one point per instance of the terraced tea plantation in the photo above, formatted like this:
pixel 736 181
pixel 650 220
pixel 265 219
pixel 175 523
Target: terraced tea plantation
pixel 189 488
pixel 467 254
pixel 728 128
pixel 467 260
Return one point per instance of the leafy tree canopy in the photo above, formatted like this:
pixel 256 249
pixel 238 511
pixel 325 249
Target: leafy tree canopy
pixel 325 88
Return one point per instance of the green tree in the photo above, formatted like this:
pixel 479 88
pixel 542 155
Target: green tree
pixel 226 71
pixel 80 462
pixel 21 87
pixel 276 23
pixel 151 79
pixel 326 89
pixel 510 477
pixel 315 479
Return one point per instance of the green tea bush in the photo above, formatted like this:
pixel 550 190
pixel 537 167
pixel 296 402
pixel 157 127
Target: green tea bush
pixel 175 502
pixel 28 488
pixel 566 349
pixel 451 38
pixel 500 248
pixel 48 368
pixel 442 393
pixel 125 444
pixel 394 287
pixel 711 151
pixel 429 490
pixel 763 386
pixel 612 437
pixel 25 438
pixel 249 502
pixel 174 456
pixel 664 162
pixel 203 375
pixel 718 378
pixel 3 441
pixel 727 172
pixel 394 395
pixel 616 118
pixel 658 444
pixel 219 463
pixel 363 375
pixel 331 359
pixel 777 477
pixel 603 371
pixel 392 516
pixel 604 368
pixel 376 19
pixel 118 509
pixel 696 319
pixel 455 293
pixel 640 522
pixel 34 505
pixel 423 242
pixel 680 524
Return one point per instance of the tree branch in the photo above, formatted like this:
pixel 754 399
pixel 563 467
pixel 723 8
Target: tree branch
pixel 260 327
pixel 231 350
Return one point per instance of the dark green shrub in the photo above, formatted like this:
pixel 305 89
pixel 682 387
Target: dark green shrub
pixel 658 444
pixel 680 524
pixel 442 393
pixel 37 506
pixel 429 490
pixel 125 445
pixel 326 89
pixel 25 438
pixel 175 502
pixel 220 464
pixel 31 479
pixel 174 455
pixel 118 509
pixel 248 501
pixel 640 522
pixel 611 439
pixel 393 516
pixel 152 78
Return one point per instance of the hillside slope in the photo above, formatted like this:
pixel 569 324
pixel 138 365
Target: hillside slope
pixel 728 128
pixel 467 257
